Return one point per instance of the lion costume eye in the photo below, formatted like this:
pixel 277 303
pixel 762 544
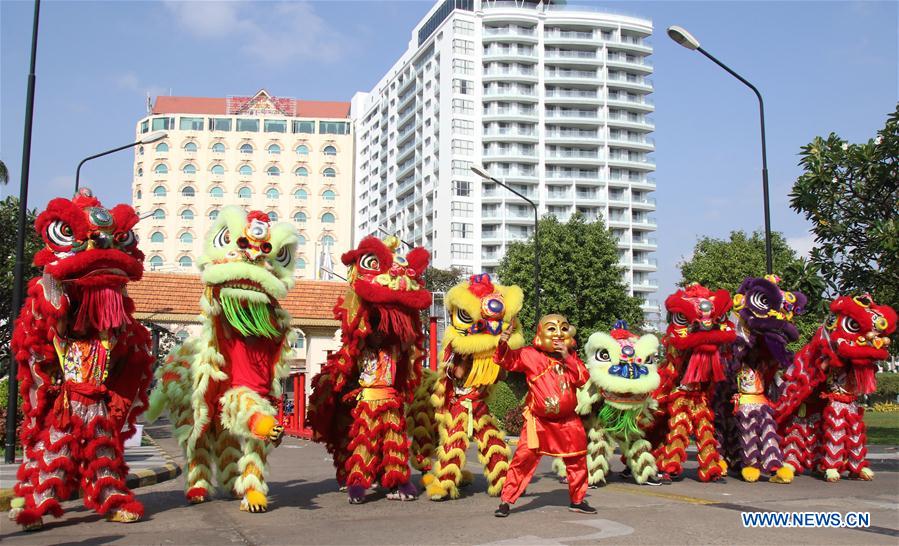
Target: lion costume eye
pixel 222 238
pixel 283 258
pixel 759 300
pixel 370 262
pixel 851 325
pixel 60 233
pixel 463 316
pixel 679 319
pixel 602 355
pixel 125 239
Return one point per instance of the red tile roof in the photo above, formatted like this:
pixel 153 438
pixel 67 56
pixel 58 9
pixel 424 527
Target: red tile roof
pixel 219 107
pixel 176 296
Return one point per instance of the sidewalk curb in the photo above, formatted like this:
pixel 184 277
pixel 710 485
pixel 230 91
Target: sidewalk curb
pixel 136 479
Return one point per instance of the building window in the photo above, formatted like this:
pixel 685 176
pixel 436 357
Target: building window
pixel 163 124
pixel 462 188
pixel 140 194
pixel 463 147
pixel 159 214
pixel 182 336
pixel 333 127
pixel 461 66
pixel 329 195
pixel 329 173
pixel 190 147
pixel 157 237
pixel 186 238
pixel 301 239
pixel 159 191
pixel 301 263
pixel 190 124
pixel 219 124
pixel 188 191
pixel 144 126
pixel 217 192
pixel 302 149
pixel 301 171
pixel 248 125
pixel 187 214
pixel 272 193
pixel 301 194
pixel 213 214
pixel 273 171
pixel 185 261
pixel 299 341
pixel 462 231
pixel 463 27
pixel 304 127
pixel 274 149
pixel 462 106
pixel 327 240
pixel 462 87
pixel 218 148
pixel 140 150
pixel 155 262
pixel 140 171
pixel 464 47
pixel 217 170
pixel 245 193
pixel 162 147
pixel 461 167
pixel 330 150
pixel 190 168
pixel 275 126
pixel 246 148
pixel 299 217
pixel 328 218
pixel 462 251
pixel 462 209
pixel 463 127
pixel 273 216
pixel 245 170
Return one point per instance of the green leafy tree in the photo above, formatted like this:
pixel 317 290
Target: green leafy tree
pixel 719 263
pixel 579 276
pixel 441 280
pixel 9 213
pixel 850 193
pixel 4 174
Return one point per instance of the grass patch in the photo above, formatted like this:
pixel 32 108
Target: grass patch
pixel 883 427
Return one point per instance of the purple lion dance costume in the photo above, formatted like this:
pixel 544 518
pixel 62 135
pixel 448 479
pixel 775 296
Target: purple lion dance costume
pixel 748 433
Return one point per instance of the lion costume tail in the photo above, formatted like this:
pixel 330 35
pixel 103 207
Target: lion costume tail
pixel 421 422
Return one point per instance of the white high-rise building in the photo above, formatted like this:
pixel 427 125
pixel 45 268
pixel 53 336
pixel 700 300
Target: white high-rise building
pixel 552 100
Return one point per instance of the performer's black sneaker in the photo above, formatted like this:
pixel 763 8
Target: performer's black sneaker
pixel 626 474
pixel 563 479
pixel 502 511
pixel 582 507
pixel 652 480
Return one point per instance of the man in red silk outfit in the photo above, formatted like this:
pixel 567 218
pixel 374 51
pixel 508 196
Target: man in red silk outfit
pixel 552 427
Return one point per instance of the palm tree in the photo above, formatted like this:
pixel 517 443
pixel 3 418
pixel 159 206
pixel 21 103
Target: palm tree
pixel 4 174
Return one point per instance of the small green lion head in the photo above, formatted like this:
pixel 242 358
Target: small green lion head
pixel 249 264
pixel 622 366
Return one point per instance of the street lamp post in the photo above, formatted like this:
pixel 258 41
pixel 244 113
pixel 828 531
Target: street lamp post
pixel 19 266
pixel 482 172
pixel 687 40
pixel 146 139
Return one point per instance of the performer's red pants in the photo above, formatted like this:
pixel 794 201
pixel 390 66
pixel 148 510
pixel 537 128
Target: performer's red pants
pixel 524 463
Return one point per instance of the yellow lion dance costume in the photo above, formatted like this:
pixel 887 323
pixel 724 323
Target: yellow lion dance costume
pixel 450 406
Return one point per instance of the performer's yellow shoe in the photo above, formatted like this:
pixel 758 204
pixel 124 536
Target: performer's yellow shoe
pixel 466 479
pixel 254 501
pixel 750 474
pixel 723 464
pixel 123 516
pixel 831 475
pixel 784 474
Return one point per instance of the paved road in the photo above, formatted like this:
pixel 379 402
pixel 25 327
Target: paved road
pixel 307 509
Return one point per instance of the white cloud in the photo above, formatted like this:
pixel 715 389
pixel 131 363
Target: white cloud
pixel 270 33
pixel 130 81
pixel 802 244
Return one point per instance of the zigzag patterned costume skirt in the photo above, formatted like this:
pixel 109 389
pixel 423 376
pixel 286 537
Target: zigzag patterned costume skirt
pixel 379 446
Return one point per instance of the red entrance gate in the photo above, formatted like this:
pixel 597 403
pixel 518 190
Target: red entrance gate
pixel 294 419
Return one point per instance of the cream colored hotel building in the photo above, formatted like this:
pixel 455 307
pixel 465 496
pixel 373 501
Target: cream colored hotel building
pixel 290 158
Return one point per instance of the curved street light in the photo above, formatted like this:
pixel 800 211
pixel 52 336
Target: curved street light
pixel 687 40
pixel 149 138
pixel 482 172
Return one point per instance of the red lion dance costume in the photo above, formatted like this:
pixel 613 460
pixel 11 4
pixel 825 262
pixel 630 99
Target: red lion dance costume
pixel 357 406
pixel 697 332
pixel 84 362
pixel 821 423
pixel 552 427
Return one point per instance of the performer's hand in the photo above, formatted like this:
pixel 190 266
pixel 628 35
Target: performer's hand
pixel 505 335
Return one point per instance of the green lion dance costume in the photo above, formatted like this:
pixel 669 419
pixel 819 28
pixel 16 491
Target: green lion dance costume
pixel 617 397
pixel 450 407
pixel 221 387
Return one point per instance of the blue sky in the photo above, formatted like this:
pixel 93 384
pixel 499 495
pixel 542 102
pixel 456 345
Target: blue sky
pixel 821 66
